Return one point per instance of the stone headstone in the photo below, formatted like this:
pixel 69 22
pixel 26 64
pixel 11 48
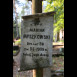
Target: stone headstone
pixel 36 41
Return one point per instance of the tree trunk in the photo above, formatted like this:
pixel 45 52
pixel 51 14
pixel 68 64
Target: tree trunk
pixel 57 36
pixel 17 30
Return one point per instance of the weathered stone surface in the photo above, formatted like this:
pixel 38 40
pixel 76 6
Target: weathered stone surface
pixel 36 41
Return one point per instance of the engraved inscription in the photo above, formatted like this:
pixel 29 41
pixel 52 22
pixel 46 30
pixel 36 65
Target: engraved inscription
pixel 29 36
pixel 36 42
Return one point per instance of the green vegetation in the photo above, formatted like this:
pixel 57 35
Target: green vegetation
pixel 18 42
pixel 14 51
pixel 58 6
pixel 61 41
pixel 17 16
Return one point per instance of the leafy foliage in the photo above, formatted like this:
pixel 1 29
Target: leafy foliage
pixel 58 6
pixel 17 16
pixel 24 8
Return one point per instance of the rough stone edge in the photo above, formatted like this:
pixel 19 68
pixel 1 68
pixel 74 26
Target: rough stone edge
pixel 39 15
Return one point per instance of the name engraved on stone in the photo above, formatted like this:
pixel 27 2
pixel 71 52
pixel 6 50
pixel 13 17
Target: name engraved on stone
pixel 29 36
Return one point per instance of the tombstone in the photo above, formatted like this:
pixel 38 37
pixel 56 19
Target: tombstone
pixel 36 41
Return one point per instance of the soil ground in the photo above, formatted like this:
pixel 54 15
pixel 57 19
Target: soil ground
pixel 58 63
